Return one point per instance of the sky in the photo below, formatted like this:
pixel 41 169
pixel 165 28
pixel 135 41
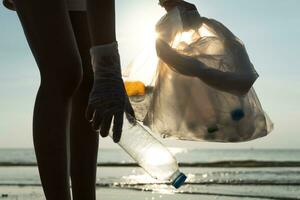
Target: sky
pixel 270 30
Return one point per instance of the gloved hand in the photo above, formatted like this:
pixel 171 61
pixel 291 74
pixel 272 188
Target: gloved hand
pixel 189 14
pixel 108 99
pixel 170 4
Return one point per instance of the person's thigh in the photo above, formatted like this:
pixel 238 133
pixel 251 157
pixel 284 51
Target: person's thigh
pixel 83 40
pixel 50 36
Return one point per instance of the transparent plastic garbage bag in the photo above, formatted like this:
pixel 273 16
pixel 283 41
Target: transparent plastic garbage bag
pixel 182 107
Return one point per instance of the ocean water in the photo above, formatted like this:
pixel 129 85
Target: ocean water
pixel 245 174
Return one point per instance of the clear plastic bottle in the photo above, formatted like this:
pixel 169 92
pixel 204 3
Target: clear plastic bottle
pixel 150 154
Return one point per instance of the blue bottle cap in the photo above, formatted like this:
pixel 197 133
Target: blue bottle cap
pixel 179 180
pixel 237 114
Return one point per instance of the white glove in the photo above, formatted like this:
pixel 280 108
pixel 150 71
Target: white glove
pixel 108 99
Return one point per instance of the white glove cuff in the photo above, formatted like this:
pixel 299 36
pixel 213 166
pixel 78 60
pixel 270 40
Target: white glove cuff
pixel 104 55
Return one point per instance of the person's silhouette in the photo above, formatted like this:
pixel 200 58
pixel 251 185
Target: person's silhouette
pixel 60 39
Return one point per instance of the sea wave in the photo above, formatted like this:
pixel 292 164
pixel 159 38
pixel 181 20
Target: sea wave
pixel 219 164
pixel 187 183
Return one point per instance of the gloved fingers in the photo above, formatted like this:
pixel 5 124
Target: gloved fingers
pixel 131 118
pixel 97 120
pixel 111 111
pixel 107 115
pixel 106 102
pixel 101 114
pixel 117 126
pixel 130 115
pixel 89 113
pixel 105 126
pixel 104 108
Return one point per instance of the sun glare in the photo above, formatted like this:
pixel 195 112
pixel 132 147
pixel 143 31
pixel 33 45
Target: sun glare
pixel 186 37
pixel 143 67
pixel 156 157
pixel 204 32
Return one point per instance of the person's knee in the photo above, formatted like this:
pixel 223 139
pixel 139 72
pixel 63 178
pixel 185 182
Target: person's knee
pixel 88 77
pixel 64 78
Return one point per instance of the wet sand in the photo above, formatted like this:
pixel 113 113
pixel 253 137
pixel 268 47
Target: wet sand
pixel 36 193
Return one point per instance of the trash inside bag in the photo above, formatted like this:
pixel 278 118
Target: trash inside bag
pixel 184 107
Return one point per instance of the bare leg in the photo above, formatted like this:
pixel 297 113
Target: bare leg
pixel 49 33
pixel 101 18
pixel 84 140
